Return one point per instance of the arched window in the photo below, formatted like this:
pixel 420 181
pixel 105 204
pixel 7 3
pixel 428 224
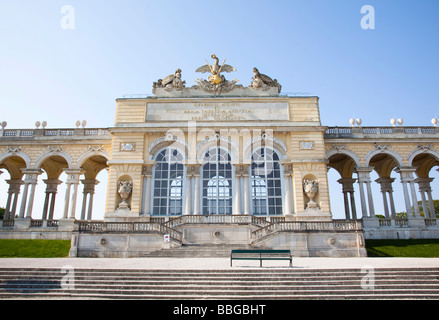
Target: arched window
pixel 217 182
pixel 266 183
pixel 168 183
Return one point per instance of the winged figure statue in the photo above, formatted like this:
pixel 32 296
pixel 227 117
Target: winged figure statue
pixel 215 69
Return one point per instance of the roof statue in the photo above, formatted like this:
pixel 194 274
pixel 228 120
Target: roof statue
pixel 216 84
pixel 262 81
pixel 215 69
pixel 171 82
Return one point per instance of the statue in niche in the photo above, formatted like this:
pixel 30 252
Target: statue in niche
pixel 171 82
pixel 124 189
pixel 264 82
pixel 311 187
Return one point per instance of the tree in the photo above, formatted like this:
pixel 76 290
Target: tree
pixel 2 213
pixel 403 214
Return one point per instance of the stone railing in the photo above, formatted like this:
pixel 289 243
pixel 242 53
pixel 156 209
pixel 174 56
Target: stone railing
pixel 33 133
pixel 351 132
pixel 393 222
pixel 127 227
pixel 217 219
pixel 304 226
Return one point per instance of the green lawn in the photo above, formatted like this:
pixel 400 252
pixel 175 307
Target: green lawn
pixel 423 248
pixel 375 248
pixel 34 248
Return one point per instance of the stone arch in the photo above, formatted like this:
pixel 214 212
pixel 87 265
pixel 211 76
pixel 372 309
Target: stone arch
pixel 52 152
pixel 16 152
pixel 92 162
pixel 423 159
pixel 217 141
pixel 384 150
pixel 344 161
pixel 274 143
pixel 13 163
pixel 166 141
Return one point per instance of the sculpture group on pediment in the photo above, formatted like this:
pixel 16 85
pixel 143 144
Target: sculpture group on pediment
pixel 264 82
pixel 216 83
pixel 171 82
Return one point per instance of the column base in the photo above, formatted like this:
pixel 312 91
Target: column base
pixel 66 224
pixel 371 222
pixel 312 214
pixel 22 223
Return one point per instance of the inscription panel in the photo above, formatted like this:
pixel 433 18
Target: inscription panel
pixel 217 111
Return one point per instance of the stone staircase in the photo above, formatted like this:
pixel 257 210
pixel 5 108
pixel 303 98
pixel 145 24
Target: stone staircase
pixel 252 283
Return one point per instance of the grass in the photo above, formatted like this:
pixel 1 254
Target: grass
pixel 34 248
pixel 419 248
pixel 426 248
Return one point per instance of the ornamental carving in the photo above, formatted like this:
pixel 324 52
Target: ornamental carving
pixel 125 189
pixel 170 83
pixel 311 187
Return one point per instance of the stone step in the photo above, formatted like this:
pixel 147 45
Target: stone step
pixel 229 292
pixel 35 283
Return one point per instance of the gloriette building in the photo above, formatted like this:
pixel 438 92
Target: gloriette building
pixel 218 164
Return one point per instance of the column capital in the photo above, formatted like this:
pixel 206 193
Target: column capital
pixel 193 169
pixel 347 184
pixel 73 175
pixel 363 173
pixel 147 168
pixel 386 184
pixel 51 185
pixel 31 175
pixel 89 185
pixel 14 185
pixel 241 169
pixel 424 184
pixel 406 173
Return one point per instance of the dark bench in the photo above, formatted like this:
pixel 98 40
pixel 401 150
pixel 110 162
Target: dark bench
pixel 261 255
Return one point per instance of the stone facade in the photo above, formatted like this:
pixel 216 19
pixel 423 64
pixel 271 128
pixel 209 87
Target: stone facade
pixel 245 167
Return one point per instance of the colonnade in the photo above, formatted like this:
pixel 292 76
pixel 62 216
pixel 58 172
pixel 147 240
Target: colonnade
pixel 408 182
pixel 28 186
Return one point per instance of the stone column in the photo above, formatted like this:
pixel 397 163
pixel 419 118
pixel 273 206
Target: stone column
pixel 237 198
pixel 348 194
pixel 89 190
pixel 288 172
pixel 66 202
pixel 425 188
pixel 188 202
pixel 147 176
pixel 244 173
pixel 364 178
pixel 240 172
pixel 71 193
pixel 31 176
pixel 11 204
pixel 197 193
pixel 49 203
pixel 386 188
pixel 408 181
pixel 192 190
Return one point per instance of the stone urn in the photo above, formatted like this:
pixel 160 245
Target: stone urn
pixel 124 189
pixel 311 187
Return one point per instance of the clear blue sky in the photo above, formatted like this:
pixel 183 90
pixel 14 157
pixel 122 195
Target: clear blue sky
pixel 121 47
pixel 315 46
